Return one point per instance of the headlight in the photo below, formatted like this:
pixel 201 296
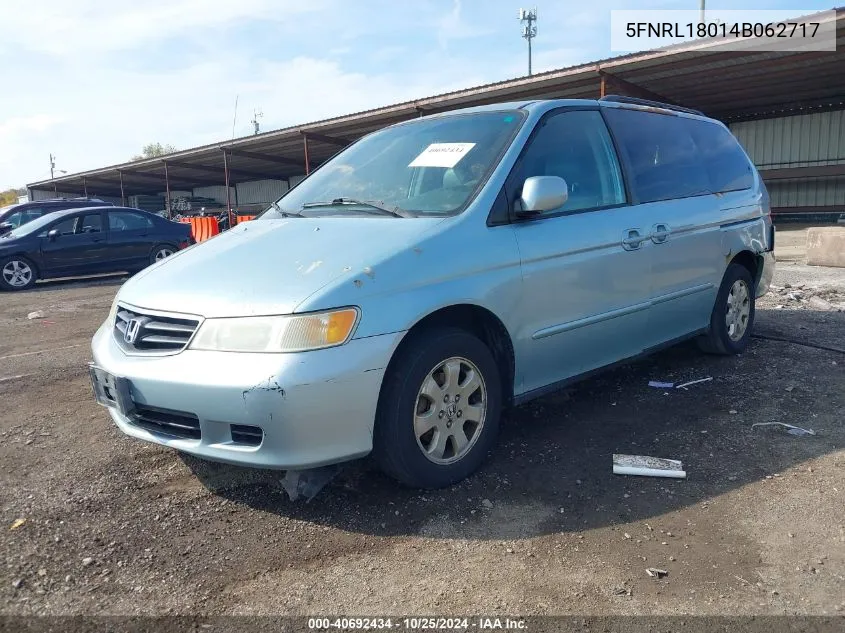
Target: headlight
pixel 290 333
pixel 112 312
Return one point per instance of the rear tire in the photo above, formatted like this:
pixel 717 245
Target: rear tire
pixel 439 409
pixel 17 273
pixel 733 314
pixel 161 251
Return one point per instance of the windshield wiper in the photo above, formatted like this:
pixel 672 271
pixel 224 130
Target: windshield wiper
pixel 396 212
pixel 285 214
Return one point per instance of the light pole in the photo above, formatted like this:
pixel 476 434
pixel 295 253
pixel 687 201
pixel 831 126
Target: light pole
pixel 528 18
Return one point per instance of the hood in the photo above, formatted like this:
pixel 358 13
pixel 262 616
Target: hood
pixel 269 266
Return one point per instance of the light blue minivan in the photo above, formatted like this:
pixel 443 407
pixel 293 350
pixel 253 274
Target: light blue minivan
pixel 435 272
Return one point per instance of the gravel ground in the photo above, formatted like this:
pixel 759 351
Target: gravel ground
pixel 97 523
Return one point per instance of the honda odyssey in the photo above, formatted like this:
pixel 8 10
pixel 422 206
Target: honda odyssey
pixel 435 272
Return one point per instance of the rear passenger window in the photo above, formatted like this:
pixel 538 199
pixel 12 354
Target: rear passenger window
pixel 725 162
pixel 128 221
pixel 577 147
pixel 664 160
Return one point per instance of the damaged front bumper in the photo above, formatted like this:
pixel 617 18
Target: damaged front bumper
pixel 287 411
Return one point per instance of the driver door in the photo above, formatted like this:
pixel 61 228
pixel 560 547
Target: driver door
pixel 585 284
pixel 80 248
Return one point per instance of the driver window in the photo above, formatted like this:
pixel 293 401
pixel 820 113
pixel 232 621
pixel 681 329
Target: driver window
pixel 576 146
pixel 65 227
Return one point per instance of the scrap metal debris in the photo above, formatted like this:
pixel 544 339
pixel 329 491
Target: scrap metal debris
pixel 308 483
pixel 661 385
pixel 792 429
pixel 646 466
pixel 656 573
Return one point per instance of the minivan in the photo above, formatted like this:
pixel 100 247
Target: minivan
pixel 435 272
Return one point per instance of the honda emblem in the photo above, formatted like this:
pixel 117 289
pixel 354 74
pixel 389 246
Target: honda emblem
pixel 133 329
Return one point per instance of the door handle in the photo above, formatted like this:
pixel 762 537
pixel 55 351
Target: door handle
pixel 632 239
pixel 660 233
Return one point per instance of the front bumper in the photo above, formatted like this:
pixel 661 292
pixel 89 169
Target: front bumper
pixel 314 408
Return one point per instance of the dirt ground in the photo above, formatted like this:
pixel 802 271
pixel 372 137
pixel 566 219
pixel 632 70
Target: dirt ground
pixel 117 526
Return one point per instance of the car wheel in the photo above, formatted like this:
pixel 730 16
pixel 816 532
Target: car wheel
pixel 439 409
pixel 733 314
pixel 160 252
pixel 17 273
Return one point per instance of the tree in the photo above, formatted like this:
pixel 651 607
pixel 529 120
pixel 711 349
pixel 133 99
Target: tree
pixel 151 150
pixel 10 196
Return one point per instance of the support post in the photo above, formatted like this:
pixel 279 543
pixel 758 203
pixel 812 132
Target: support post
pixel 85 186
pixel 228 191
pixel 167 192
pixel 122 194
pixel 603 86
pixel 305 147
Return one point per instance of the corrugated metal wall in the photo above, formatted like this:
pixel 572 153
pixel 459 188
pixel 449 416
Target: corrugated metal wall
pixel 260 191
pixel 807 140
pixel 794 141
pixel 808 192
pixel 217 192
pixel 40 194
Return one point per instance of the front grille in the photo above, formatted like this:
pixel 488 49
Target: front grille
pixel 152 332
pixel 166 422
pixel 246 434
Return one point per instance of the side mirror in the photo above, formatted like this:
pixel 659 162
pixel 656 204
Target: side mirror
pixel 542 193
pixel 53 234
pixel 5 227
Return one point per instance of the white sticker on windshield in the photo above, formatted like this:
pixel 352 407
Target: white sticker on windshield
pixel 442 155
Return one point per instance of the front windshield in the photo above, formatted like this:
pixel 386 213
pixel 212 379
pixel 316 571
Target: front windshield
pixel 31 227
pixel 426 167
pixel 4 211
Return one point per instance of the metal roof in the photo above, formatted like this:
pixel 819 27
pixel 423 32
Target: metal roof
pixel 725 84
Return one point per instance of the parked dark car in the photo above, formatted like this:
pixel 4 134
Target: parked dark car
pixel 85 242
pixel 16 215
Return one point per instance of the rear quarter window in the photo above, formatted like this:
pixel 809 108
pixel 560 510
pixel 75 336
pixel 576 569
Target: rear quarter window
pixel 727 166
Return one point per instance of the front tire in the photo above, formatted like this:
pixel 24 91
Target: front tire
pixel 733 314
pixel 17 273
pixel 439 409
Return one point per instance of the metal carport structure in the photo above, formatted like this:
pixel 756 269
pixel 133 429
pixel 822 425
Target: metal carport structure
pixel 730 85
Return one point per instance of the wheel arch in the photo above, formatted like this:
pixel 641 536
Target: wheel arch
pixel 751 262
pixel 480 322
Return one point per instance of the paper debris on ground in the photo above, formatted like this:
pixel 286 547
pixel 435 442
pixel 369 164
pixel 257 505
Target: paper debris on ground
pixel 646 466
pixel 693 382
pixel 660 385
pixel 792 429
pixel 38 314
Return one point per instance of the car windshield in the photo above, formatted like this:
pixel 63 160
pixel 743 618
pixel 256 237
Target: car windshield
pixel 5 211
pixel 31 227
pixel 425 167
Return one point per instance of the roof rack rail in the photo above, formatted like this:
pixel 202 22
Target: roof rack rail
pixel 653 104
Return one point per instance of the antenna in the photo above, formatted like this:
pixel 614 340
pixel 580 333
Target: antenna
pixel 528 17
pixel 235 119
pixel 256 114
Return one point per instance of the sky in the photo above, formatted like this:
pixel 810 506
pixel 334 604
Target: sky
pixel 93 81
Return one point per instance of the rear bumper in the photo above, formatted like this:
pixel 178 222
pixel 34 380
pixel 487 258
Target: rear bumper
pixel 766 273
pixel 314 408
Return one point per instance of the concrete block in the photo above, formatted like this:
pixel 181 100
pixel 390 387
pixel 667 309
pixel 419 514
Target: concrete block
pixel 826 246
